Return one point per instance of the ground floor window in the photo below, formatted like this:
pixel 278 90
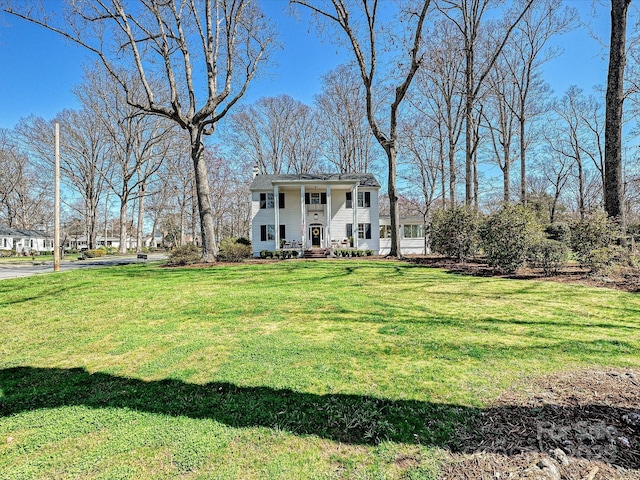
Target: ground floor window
pixel 385 231
pixel 364 230
pixel 413 231
pixel 267 232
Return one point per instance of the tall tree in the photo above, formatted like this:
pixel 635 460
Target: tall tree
pixel 84 156
pixel 613 188
pixel 438 96
pixel 524 55
pixel 345 136
pixel 360 23
pixel 275 134
pixel 138 142
pixel 24 192
pixel 572 136
pixel 467 16
pixel 167 44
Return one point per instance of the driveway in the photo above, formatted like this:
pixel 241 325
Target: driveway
pixel 14 270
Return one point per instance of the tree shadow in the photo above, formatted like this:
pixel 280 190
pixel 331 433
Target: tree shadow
pixel 353 419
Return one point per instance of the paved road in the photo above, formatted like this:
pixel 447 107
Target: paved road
pixel 13 270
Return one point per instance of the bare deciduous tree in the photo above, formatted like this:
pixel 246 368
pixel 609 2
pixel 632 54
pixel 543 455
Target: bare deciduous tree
pixel 84 155
pixel 346 139
pixel 361 25
pixel 276 133
pixel 467 16
pixel 195 60
pixel 24 191
pixel 439 96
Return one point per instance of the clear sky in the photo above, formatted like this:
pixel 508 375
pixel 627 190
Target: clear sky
pixel 38 69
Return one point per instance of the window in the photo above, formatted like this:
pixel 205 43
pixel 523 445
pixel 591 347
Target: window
pixel 4 242
pixel 364 199
pixel 413 231
pixel 385 231
pixel 267 232
pixel 364 230
pixel 349 230
pixel 315 198
pixel 266 200
pixel 349 202
pixel 281 200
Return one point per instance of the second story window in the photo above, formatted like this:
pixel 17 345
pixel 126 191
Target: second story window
pixel 364 199
pixel 266 200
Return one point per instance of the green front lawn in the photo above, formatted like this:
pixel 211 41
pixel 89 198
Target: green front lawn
pixel 331 369
pixel 28 259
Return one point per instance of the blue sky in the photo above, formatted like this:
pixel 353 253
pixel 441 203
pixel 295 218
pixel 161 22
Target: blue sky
pixel 38 69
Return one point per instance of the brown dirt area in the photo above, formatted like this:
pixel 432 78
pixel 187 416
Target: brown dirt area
pixel 626 279
pixel 573 425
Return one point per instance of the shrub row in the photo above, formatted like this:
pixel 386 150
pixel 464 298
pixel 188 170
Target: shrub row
pixel 352 253
pixel 513 236
pixel 284 254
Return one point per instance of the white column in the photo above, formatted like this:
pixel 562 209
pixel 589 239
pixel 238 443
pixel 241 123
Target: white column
pixel 329 214
pixel 303 223
pixel 276 215
pixel 354 203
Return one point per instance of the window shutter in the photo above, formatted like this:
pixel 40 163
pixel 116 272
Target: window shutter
pixel 263 233
pixel 367 231
pixel 367 199
pixel 281 199
pixel 283 233
pixel 323 198
pixel 349 230
pixel 263 200
pixel 307 199
pixel 349 201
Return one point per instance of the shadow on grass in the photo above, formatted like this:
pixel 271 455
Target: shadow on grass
pixel 353 419
pixel 346 418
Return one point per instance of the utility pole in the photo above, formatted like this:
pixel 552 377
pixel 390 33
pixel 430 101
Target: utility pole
pixel 56 203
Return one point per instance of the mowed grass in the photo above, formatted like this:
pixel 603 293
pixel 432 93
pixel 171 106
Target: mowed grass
pixel 332 369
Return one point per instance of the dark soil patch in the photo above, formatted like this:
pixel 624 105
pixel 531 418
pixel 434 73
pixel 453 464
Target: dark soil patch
pixel 626 279
pixel 574 425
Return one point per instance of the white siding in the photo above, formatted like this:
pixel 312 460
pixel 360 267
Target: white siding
pixel 290 217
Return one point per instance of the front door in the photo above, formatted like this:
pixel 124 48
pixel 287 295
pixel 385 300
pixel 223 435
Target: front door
pixel 316 236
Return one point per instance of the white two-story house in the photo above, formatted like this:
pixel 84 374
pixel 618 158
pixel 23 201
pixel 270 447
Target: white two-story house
pixel 315 211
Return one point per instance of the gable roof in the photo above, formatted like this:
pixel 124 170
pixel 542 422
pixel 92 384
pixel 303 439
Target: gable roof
pixel 8 232
pixel 14 232
pixel 265 182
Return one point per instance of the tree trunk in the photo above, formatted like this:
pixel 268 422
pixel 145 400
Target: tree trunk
pixel 123 226
pixel 209 251
pixel 613 194
pixel 581 206
pixel 139 239
pixel 393 201
pixel 468 164
pixel 452 173
pixel 506 179
pixel 523 162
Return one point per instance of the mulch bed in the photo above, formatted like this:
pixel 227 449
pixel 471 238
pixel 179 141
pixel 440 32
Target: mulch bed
pixel 572 425
pixel 626 279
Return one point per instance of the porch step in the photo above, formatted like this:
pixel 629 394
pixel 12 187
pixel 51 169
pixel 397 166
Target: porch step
pixel 316 253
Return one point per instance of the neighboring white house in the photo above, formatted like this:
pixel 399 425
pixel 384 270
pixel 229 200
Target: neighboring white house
pixel 412 236
pixel 310 211
pixel 25 241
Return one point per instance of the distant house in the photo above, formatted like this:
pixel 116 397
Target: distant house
pixel 315 211
pixel 24 242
